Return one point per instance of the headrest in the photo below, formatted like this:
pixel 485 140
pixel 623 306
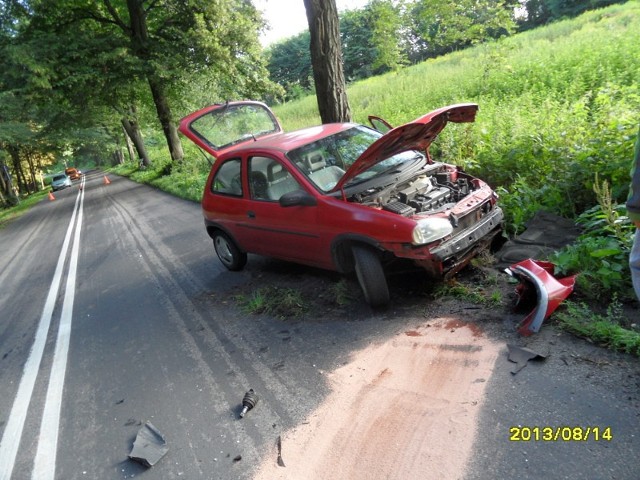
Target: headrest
pixel 315 161
pixel 276 172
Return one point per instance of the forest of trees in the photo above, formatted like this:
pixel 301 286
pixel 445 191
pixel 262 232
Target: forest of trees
pixel 94 82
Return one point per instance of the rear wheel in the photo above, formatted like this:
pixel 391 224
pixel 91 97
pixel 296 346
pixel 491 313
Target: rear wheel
pixel 371 276
pixel 228 252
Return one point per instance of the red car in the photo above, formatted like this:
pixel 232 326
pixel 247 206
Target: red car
pixel 341 196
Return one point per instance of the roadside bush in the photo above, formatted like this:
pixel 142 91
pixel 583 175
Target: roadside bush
pixel 600 256
pixel 605 329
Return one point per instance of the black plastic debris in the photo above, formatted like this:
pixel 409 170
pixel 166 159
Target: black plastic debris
pixel 149 446
pixel 248 402
pixel 521 355
pixel 280 461
pixel 545 234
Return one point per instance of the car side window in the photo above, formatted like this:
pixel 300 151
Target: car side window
pixel 269 179
pixel 228 178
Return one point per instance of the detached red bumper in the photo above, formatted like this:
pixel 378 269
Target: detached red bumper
pixel 536 278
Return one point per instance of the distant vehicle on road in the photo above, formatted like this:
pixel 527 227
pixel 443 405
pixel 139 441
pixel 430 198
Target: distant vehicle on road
pixel 60 181
pixel 73 173
pixel 341 196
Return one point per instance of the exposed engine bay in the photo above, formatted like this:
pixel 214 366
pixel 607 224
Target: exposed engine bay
pixel 438 188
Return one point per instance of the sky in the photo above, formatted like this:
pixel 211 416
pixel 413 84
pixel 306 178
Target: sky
pixel 288 17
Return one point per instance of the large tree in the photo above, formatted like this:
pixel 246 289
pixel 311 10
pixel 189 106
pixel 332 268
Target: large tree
pixel 159 42
pixel 326 60
pixel 446 25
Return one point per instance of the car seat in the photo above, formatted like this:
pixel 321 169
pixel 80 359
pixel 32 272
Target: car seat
pixel 280 181
pixel 322 175
pixel 259 186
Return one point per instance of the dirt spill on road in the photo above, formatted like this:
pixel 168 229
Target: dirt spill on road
pixel 405 409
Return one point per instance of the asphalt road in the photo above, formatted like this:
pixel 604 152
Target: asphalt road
pixel 143 329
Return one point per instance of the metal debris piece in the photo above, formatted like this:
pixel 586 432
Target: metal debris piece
pixel 279 443
pixel 149 446
pixel 521 355
pixel 248 402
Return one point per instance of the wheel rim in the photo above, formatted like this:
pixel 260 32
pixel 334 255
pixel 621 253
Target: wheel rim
pixel 224 251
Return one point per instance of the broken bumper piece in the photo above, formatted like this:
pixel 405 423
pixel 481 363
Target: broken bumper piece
pixel 537 283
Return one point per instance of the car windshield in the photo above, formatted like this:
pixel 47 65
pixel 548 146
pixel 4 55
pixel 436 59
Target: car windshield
pixel 326 160
pixel 59 177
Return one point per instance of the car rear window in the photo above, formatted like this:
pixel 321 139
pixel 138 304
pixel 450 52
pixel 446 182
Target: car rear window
pixel 227 126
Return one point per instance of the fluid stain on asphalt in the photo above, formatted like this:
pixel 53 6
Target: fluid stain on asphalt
pixel 404 408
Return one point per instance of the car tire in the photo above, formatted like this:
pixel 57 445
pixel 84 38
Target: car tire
pixel 371 276
pixel 228 252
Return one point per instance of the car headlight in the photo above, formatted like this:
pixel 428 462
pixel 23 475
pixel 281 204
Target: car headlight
pixel 431 229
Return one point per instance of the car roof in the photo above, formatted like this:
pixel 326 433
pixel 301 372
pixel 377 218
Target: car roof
pixel 288 141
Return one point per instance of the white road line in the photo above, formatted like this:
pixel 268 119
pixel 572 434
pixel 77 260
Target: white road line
pixel 13 431
pixel 45 462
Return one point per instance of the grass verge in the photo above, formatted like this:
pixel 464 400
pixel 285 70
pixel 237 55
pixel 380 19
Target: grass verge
pixel 9 214
pixel 277 301
pixel 606 330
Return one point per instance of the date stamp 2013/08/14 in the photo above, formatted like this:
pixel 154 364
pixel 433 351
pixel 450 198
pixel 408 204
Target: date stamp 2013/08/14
pixel 560 434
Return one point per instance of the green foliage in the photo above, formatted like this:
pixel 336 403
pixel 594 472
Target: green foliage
pixel 343 292
pixel 289 65
pixel 478 293
pixel 606 329
pixel 276 301
pixel 185 179
pixel 386 21
pixel 601 254
pixel 9 214
pixel 446 25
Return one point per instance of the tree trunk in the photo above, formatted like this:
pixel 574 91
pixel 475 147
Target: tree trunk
pixel 132 154
pixel 14 152
pixel 326 60
pixel 32 172
pixel 139 35
pixel 7 195
pixel 132 129
pixel 166 119
pixel 118 157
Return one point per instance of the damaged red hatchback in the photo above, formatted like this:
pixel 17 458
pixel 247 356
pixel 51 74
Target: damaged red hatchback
pixel 342 197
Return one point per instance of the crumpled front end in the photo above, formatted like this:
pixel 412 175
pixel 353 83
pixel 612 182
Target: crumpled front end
pixel 538 284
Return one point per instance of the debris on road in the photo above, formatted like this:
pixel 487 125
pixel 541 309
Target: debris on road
pixel 248 402
pixel 521 355
pixel 279 443
pixel 149 446
pixel 537 284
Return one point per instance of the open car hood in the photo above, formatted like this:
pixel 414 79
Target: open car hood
pixel 222 126
pixel 415 135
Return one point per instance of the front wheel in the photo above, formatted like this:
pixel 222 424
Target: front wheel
pixel 371 276
pixel 228 252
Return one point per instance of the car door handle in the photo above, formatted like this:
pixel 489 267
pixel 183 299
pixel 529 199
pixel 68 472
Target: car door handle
pixel 251 214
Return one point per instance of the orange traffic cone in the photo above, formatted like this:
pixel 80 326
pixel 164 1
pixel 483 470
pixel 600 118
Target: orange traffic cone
pixel 51 197
pixel 106 180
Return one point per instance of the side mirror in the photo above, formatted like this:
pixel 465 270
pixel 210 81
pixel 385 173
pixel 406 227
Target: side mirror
pixel 297 198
